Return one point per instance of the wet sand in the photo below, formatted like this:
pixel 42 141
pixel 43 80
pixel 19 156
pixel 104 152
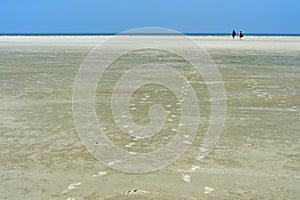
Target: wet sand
pixel 257 155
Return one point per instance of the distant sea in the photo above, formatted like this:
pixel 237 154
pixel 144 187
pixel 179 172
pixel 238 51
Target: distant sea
pixel 104 34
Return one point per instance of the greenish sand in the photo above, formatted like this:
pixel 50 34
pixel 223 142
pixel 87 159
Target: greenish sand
pixel 257 156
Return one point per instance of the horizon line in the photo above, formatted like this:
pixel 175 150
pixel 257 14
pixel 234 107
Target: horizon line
pixel 107 33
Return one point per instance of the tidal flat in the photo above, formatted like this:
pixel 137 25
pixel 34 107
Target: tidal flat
pixel 257 155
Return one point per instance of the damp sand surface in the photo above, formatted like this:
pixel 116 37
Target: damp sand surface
pixel 256 157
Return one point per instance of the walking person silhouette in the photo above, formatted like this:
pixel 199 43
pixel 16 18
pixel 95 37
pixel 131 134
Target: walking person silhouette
pixel 233 34
pixel 241 35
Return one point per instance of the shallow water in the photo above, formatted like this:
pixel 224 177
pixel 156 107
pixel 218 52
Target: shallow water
pixel 257 155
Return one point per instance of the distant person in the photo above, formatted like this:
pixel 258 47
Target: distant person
pixel 241 35
pixel 233 34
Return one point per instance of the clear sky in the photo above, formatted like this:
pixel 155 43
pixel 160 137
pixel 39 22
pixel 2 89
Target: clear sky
pixel 113 16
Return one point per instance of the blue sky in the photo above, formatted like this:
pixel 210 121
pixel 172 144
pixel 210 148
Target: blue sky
pixel 113 16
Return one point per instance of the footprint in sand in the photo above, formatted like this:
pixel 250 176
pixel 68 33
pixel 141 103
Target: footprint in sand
pixel 208 190
pixel 73 185
pixel 101 173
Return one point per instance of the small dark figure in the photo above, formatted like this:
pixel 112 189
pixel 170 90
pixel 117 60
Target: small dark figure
pixel 241 35
pixel 233 34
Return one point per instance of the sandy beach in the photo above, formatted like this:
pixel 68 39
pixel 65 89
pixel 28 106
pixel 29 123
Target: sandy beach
pixel 257 155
